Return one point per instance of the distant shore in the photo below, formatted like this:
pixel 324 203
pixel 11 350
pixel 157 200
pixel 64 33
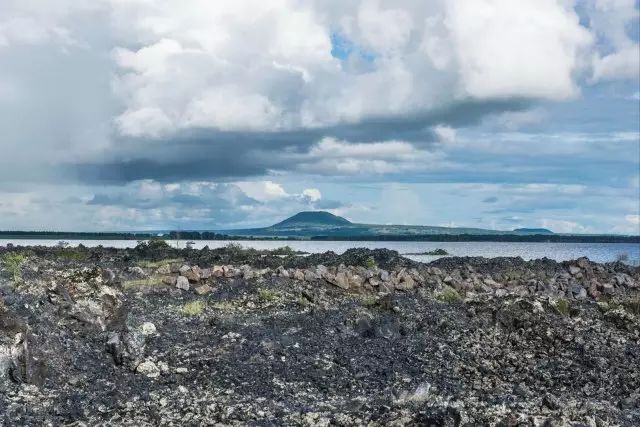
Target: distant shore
pixel 207 235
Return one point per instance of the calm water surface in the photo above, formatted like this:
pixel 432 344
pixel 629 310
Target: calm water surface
pixel 601 252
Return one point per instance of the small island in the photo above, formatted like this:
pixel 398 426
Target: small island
pixel 438 252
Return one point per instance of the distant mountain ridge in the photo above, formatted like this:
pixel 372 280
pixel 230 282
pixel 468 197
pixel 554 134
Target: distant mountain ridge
pixel 533 230
pixel 326 225
pixel 311 218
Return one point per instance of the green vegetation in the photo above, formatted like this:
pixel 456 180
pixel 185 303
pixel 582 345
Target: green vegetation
pixel 72 254
pixel 12 262
pixel 632 305
pixel 603 306
pixel 223 306
pixel 449 295
pixel 561 305
pixel 433 252
pixel 370 262
pixel 155 243
pixel 234 249
pixel 303 301
pixel 151 281
pixel 285 251
pixel 268 295
pixel 437 252
pixel 368 300
pixel 193 308
pixel 158 264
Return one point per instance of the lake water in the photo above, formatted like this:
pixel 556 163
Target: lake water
pixel 600 252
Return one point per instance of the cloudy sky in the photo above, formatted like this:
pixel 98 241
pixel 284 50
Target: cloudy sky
pixel 197 114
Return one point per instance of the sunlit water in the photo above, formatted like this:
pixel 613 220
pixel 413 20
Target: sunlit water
pixel 600 252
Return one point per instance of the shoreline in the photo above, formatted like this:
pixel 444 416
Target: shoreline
pixel 443 238
pixel 233 336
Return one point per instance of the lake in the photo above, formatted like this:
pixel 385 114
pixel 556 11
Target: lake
pixel 600 252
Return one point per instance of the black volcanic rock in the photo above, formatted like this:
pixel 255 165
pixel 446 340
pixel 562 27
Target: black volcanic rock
pixel 99 336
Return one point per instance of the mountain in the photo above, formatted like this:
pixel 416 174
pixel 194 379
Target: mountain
pixel 312 219
pixel 326 225
pixel 533 230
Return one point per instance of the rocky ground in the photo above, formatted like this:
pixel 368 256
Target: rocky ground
pixel 157 336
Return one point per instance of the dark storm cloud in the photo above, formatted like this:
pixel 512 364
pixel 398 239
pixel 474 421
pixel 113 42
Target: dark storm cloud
pixel 211 154
pixel 209 196
pixel 329 204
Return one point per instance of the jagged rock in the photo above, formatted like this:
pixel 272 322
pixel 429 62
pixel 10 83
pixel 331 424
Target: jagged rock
pixel 321 271
pixel 205 273
pixel 148 329
pixel 311 276
pixel 384 275
pixel 137 271
pixel 282 272
pixel 193 274
pixel 217 271
pixel 126 347
pixel 108 276
pixel 578 292
pixel 607 288
pixel 298 275
pixel 403 281
pixel 551 402
pixel 229 271
pixel 248 273
pixel 149 369
pixel 5 361
pixel 340 280
pixel 574 270
pixel 182 283
pixel 583 263
pixel 164 269
pixel 170 280
pixel 355 279
pixel 18 361
pixel 203 289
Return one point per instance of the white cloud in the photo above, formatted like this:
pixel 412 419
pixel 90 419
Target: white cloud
pixel 516 49
pixel 384 30
pixel 633 219
pixel 623 64
pixel 332 156
pixel 263 191
pixel 445 134
pixel 313 194
pixel 617 57
pixel 235 66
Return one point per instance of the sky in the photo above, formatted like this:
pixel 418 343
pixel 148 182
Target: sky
pixel 195 114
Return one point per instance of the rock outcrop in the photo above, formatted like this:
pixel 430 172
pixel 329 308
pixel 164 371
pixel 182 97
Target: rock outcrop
pixel 118 337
